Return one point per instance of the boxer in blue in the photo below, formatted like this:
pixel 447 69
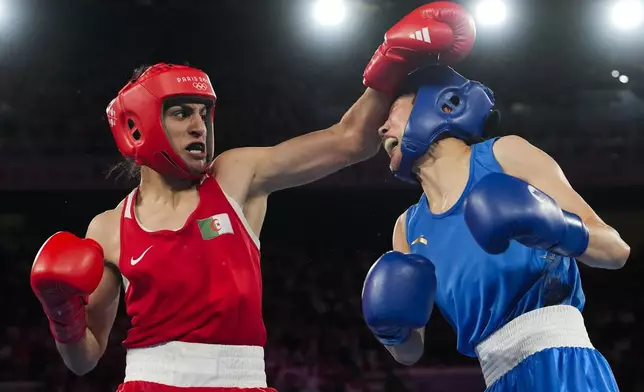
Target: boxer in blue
pixel 494 241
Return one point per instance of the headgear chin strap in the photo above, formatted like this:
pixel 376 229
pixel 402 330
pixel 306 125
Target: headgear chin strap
pixel 445 102
pixel 136 117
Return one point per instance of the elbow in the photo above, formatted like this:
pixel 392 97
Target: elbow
pixel 79 365
pixel 614 258
pixel 81 369
pixel 607 250
pixel 408 353
pixel 82 356
pixel 409 360
pixel 621 254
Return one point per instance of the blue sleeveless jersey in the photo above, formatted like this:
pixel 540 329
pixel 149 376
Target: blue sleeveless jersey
pixel 478 293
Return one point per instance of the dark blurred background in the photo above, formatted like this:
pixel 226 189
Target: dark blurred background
pixel 567 79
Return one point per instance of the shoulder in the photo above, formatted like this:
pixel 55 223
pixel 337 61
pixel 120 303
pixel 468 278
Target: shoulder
pixel 236 163
pixel 400 234
pixel 511 147
pixel 104 228
pixel 515 154
pixel 235 170
pixel 236 158
pixel 104 222
pixel 400 226
pixel 402 220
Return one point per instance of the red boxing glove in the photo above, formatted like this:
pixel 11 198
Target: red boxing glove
pixel 66 270
pixel 442 28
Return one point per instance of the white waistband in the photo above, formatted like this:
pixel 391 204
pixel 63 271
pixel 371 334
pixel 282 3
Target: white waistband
pixel 549 327
pixel 182 364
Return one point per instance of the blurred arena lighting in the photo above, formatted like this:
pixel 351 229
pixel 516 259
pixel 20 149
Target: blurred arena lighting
pixel 623 79
pixel 491 12
pixel 3 10
pixel 329 12
pixel 614 73
pixel 627 14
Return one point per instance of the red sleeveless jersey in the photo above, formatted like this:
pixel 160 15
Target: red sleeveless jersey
pixel 200 284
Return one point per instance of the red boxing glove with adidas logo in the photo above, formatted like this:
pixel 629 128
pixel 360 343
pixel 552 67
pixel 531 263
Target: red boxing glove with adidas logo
pixel 442 29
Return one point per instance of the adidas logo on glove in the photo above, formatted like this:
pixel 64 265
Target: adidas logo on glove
pixel 421 35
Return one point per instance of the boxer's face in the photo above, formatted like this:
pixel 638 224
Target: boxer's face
pixel 186 128
pixel 392 130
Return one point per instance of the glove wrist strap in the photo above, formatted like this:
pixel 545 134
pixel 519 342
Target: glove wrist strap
pixel 400 337
pixel 67 320
pixel 575 239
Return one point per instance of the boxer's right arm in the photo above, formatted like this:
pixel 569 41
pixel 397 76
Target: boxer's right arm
pixel 83 355
pixel 410 351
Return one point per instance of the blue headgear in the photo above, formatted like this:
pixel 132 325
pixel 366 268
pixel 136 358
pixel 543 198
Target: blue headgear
pixel 445 102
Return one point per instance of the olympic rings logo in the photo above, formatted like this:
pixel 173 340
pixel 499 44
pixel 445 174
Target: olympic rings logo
pixel 200 86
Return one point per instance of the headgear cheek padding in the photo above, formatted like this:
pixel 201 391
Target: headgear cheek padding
pixel 135 117
pixel 444 102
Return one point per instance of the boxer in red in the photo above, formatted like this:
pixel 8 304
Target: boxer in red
pixel 185 241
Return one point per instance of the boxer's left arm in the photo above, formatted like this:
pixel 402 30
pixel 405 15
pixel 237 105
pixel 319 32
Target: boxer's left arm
pixel 520 159
pixel 307 158
pixel 410 351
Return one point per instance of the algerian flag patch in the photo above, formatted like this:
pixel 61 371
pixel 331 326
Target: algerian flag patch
pixel 215 226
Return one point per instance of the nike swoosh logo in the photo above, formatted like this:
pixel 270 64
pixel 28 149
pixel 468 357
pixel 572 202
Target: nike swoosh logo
pixel 134 261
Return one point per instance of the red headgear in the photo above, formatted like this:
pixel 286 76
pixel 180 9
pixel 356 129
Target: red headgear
pixel 135 117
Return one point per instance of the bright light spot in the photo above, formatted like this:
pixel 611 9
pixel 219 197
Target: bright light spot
pixel 491 12
pixel 623 79
pixel 329 12
pixel 627 14
pixel 4 12
pixel 615 73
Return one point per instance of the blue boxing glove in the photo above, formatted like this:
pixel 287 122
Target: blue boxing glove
pixel 398 296
pixel 501 208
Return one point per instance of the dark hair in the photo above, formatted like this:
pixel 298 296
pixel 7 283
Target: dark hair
pixel 138 71
pixel 127 168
